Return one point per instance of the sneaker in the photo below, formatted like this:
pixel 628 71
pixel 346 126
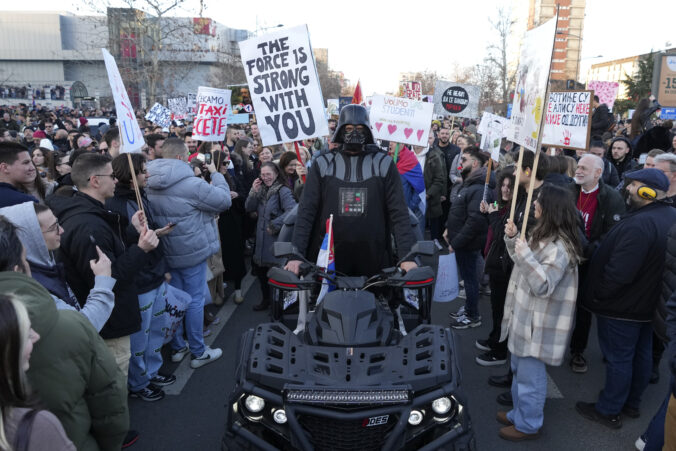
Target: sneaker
pixel 178 355
pixel 465 322
pixel 501 381
pixel 162 380
pixel 150 393
pixel 578 363
pixel 588 410
pixel 483 345
pixel 459 313
pixel 131 438
pixel 491 358
pixel 208 356
pixel 462 294
pixel 640 443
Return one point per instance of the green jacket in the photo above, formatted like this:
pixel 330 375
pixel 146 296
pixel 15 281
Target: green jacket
pixel 72 370
pixel 435 176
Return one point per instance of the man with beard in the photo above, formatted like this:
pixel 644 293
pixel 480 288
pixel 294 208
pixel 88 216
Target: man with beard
pixel 622 289
pixel 466 230
pixel 361 188
pixel 449 151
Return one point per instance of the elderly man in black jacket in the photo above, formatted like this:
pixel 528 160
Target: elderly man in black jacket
pixel 623 288
pixel 466 230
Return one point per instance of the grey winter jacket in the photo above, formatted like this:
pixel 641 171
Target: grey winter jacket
pixel 100 301
pixel 177 196
pixel 272 204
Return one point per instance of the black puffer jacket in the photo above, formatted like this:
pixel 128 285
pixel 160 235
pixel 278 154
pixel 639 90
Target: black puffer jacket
pixel 668 287
pixel 466 225
pixel 84 219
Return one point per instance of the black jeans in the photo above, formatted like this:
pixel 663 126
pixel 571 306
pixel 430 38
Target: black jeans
pixel 498 284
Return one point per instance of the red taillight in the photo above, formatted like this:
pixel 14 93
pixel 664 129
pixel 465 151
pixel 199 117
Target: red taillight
pixel 282 284
pixel 420 282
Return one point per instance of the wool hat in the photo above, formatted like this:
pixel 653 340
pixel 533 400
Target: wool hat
pixel 39 134
pixel 45 143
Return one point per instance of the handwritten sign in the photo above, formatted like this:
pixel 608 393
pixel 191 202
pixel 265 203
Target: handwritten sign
pixel 410 90
pixel 213 106
pixel 179 107
pixel 531 84
pixel 606 90
pixel 401 120
pixel 492 129
pixel 130 133
pixel 568 119
pixel 284 86
pixel 456 99
pixel 159 115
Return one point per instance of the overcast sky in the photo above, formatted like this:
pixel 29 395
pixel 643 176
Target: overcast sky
pixel 375 41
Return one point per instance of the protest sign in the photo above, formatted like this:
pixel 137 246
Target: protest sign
pixel 282 76
pixel 568 119
pixel 456 99
pixel 410 90
pixel 159 115
pixel 332 107
pixel 131 137
pixel 179 107
pixel 239 118
pixel 342 102
pixel 401 120
pixel 606 90
pixel 492 129
pixel 531 84
pixel 213 106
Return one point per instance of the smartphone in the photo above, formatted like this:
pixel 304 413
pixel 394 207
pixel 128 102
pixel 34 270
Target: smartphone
pixel 207 158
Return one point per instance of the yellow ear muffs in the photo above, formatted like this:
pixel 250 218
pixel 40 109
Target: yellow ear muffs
pixel 646 192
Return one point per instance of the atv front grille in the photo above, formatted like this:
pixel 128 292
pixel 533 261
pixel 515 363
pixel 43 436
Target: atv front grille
pixel 335 435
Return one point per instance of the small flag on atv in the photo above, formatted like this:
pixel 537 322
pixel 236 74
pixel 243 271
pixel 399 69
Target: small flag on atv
pixel 326 259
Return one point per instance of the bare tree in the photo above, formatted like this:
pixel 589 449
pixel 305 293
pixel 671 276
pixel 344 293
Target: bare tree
pixel 329 80
pixel 485 76
pixel 497 54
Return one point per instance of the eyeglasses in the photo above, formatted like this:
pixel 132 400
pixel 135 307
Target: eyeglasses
pixel 52 228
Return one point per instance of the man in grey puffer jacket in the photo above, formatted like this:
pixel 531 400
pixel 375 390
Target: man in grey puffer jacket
pixel 177 196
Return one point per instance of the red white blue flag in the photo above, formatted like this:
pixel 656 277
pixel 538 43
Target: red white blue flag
pixel 326 260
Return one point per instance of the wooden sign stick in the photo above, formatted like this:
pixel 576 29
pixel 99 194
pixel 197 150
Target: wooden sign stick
pixel 135 183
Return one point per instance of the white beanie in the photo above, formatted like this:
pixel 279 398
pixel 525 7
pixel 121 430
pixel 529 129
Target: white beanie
pixel 46 144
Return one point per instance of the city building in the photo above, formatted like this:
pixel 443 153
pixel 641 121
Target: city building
pixel 45 54
pixel 569 34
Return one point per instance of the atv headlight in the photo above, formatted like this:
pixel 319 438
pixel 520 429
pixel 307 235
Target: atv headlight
pixel 415 417
pixel 441 406
pixel 254 403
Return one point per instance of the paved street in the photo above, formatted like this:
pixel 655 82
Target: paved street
pixel 192 415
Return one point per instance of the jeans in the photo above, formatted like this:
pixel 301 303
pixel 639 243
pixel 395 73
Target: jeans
pixel 467 266
pixel 529 391
pixel 146 344
pixel 627 346
pixel 193 281
pixel 654 435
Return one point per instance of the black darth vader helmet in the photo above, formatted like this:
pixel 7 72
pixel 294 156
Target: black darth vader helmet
pixel 353 115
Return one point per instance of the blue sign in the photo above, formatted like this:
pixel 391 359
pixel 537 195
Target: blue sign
pixel 668 113
pixel 239 118
pixel 343 101
pixel 509 110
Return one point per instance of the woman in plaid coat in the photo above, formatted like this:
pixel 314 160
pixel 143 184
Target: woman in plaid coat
pixel 540 306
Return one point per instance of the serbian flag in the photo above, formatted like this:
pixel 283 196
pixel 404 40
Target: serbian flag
pixel 409 168
pixel 326 259
pixel 357 97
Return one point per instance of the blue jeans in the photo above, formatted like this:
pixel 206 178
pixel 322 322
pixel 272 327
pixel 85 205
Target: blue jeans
pixel 654 435
pixel 146 344
pixel 627 346
pixel 193 281
pixel 529 391
pixel 467 267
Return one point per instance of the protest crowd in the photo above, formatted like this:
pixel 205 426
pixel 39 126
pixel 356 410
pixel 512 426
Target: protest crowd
pixel 93 273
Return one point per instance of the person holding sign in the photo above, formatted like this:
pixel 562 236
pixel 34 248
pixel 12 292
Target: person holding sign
pixel 361 187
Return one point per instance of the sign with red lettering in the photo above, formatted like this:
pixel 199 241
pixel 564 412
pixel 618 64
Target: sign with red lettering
pixel 131 137
pixel 568 119
pixel 456 99
pixel 213 106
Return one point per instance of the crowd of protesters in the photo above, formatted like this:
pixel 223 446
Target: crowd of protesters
pixel 87 264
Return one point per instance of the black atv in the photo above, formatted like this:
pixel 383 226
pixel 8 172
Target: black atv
pixel 351 380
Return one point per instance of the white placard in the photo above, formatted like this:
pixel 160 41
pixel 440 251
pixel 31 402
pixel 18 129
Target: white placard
pixel 568 119
pixel 213 106
pixel 456 99
pixel 492 129
pixel 131 137
pixel 284 86
pixel 401 120
pixel 159 115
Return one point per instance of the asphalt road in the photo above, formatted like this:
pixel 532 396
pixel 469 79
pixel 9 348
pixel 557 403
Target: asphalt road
pixel 192 415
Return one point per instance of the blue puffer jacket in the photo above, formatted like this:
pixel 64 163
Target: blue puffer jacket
pixel 177 196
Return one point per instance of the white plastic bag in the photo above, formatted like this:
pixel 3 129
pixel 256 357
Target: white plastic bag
pixel 446 286
pixel 177 304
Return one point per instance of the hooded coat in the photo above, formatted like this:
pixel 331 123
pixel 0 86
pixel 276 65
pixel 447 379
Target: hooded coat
pixel 51 274
pixel 177 196
pixel 72 370
pixel 467 226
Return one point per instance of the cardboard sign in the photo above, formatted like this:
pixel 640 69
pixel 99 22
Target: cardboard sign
pixel 213 106
pixel 401 120
pixel 159 115
pixel 131 137
pixel 492 129
pixel 410 90
pixel 179 107
pixel 456 99
pixel 284 86
pixel 531 84
pixel 568 119
pixel 606 90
